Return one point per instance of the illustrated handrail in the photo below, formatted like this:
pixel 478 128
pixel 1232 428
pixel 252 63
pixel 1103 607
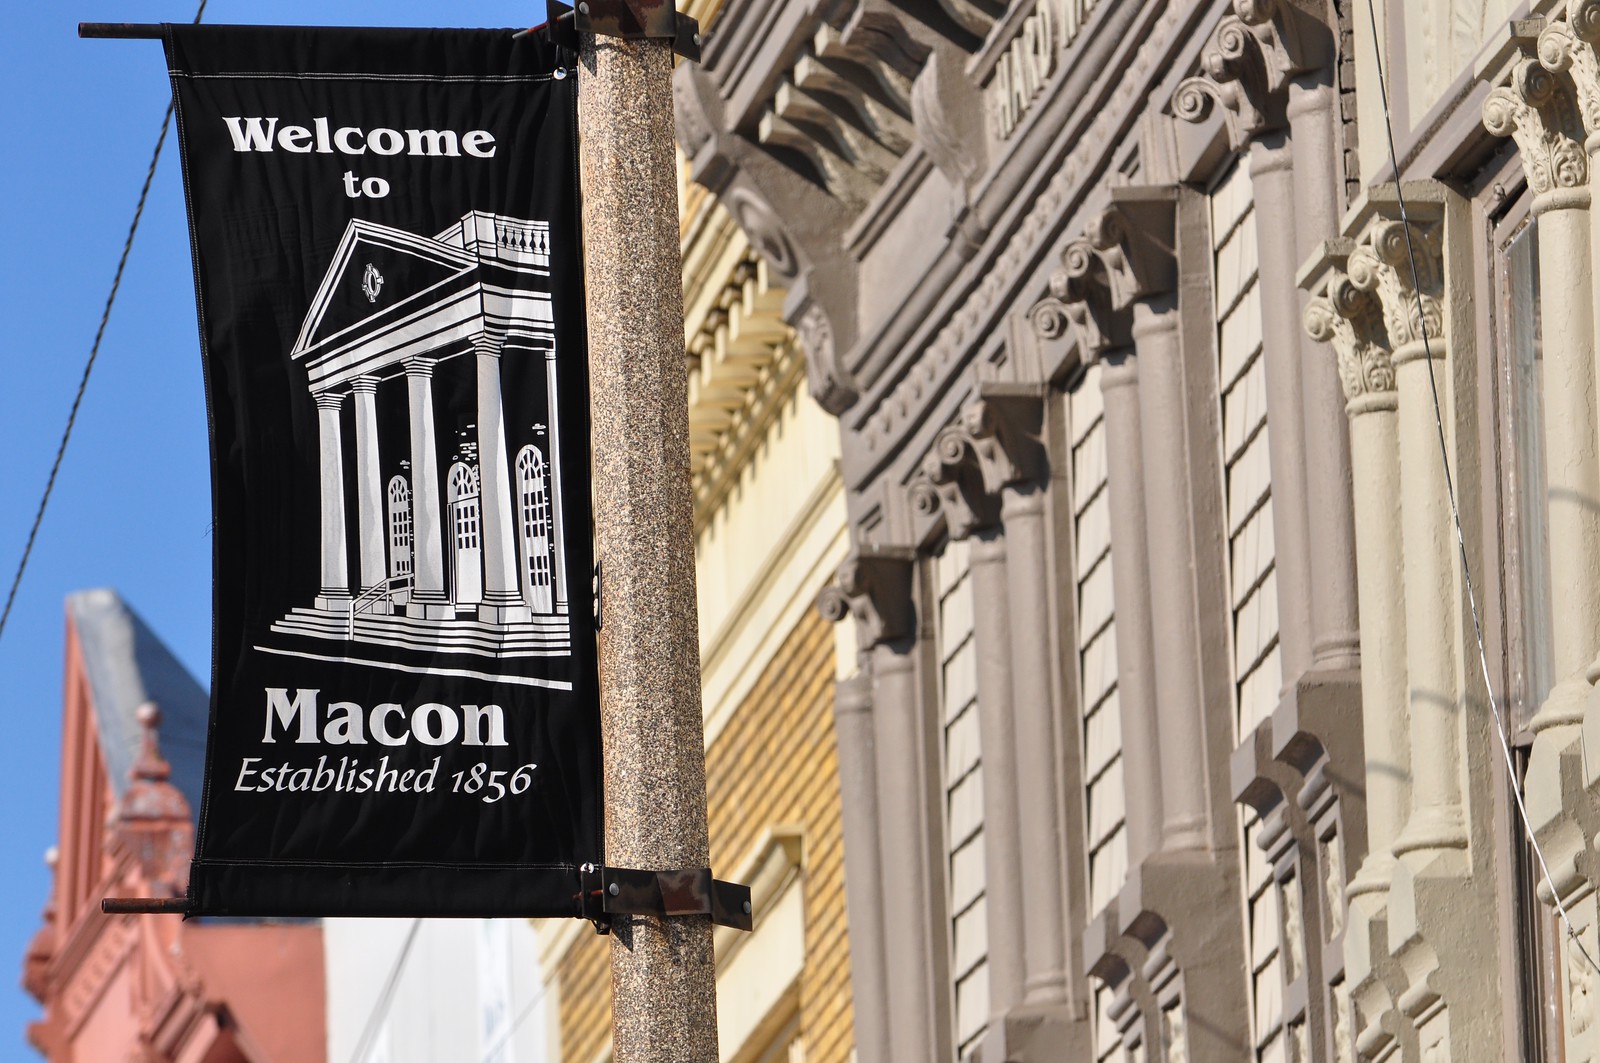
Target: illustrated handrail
pixel 369 597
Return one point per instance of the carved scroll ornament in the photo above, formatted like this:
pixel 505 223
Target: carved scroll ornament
pixel 1539 110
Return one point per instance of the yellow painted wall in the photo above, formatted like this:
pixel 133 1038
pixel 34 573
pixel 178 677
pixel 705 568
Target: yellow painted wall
pixel 774 764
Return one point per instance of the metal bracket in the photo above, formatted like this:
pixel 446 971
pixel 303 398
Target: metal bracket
pixel 687 892
pixel 627 19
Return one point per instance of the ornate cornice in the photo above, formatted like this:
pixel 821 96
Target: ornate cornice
pixel 873 587
pixel 1539 109
pixel 1351 319
pixel 1411 294
pixel 1247 65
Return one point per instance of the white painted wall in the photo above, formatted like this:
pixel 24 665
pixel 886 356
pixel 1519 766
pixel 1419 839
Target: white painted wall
pixel 467 991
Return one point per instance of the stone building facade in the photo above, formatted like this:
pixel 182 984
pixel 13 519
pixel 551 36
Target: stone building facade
pixel 1169 409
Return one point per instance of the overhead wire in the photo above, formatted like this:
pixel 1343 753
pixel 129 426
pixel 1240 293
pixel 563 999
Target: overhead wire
pixel 94 352
pixel 1501 731
pixel 380 1007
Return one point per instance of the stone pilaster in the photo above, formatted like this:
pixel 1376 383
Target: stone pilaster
pixel 1552 110
pixel 875 586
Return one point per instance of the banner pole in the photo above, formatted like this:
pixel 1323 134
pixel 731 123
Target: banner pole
pixel 663 976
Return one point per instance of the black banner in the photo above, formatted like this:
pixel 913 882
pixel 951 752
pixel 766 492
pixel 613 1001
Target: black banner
pixel 386 247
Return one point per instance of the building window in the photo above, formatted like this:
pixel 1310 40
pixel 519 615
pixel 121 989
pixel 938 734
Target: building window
pixel 466 554
pixel 399 527
pixel 963 793
pixel 533 509
pixel 1099 711
pixel 1242 383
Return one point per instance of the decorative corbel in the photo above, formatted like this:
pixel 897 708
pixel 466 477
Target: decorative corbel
pixel 1292 40
pixel 873 587
pixel 952 485
pixel 1234 75
pixel 1539 109
pixel 1568 46
pixel 1136 238
pixel 1412 295
pixel 1080 303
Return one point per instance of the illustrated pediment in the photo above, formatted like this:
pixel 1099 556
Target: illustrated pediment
pixel 374 269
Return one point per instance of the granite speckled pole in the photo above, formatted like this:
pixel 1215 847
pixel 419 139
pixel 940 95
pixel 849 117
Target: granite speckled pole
pixel 662 976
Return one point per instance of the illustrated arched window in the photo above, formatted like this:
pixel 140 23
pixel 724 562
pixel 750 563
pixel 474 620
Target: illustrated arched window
pixel 466 554
pixel 399 527
pixel 533 526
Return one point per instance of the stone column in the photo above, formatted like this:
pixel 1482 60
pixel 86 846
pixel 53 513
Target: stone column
pixel 1382 265
pixel 1179 704
pixel 1136 240
pixel 502 591
pixel 1540 109
pixel 369 489
pixel 955 487
pixel 1265 66
pixel 1080 301
pixel 1352 320
pixel 864 899
pixel 1330 519
pixel 1273 182
pixel 888 852
pixel 558 520
pixel 1130 579
pixel 335 586
pixel 428 597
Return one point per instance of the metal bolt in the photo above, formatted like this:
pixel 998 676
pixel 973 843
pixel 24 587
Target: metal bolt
pixel 614 889
pixel 583 9
pixel 697 40
pixel 746 907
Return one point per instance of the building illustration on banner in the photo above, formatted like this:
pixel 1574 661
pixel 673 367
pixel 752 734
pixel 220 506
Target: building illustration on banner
pixel 459 551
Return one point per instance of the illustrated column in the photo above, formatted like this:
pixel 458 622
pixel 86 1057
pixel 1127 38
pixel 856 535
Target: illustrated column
pixel 557 511
pixel 502 591
pixel 428 597
pixel 335 587
pixel 369 489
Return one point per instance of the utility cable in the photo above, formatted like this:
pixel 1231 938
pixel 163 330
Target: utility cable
pixel 1455 515
pixel 94 352
pixel 380 1007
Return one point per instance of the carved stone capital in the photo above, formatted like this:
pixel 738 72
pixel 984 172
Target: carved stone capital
pixel 1412 297
pixel 1080 302
pixel 1247 65
pixel 1539 109
pixel 873 587
pixel 952 485
pixel 1569 46
pixel 1351 319
pixel 1136 237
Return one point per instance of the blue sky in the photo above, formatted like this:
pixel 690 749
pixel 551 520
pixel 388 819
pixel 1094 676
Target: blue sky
pixel 132 507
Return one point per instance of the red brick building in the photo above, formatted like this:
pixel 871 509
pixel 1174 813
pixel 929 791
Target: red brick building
pixel 151 988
